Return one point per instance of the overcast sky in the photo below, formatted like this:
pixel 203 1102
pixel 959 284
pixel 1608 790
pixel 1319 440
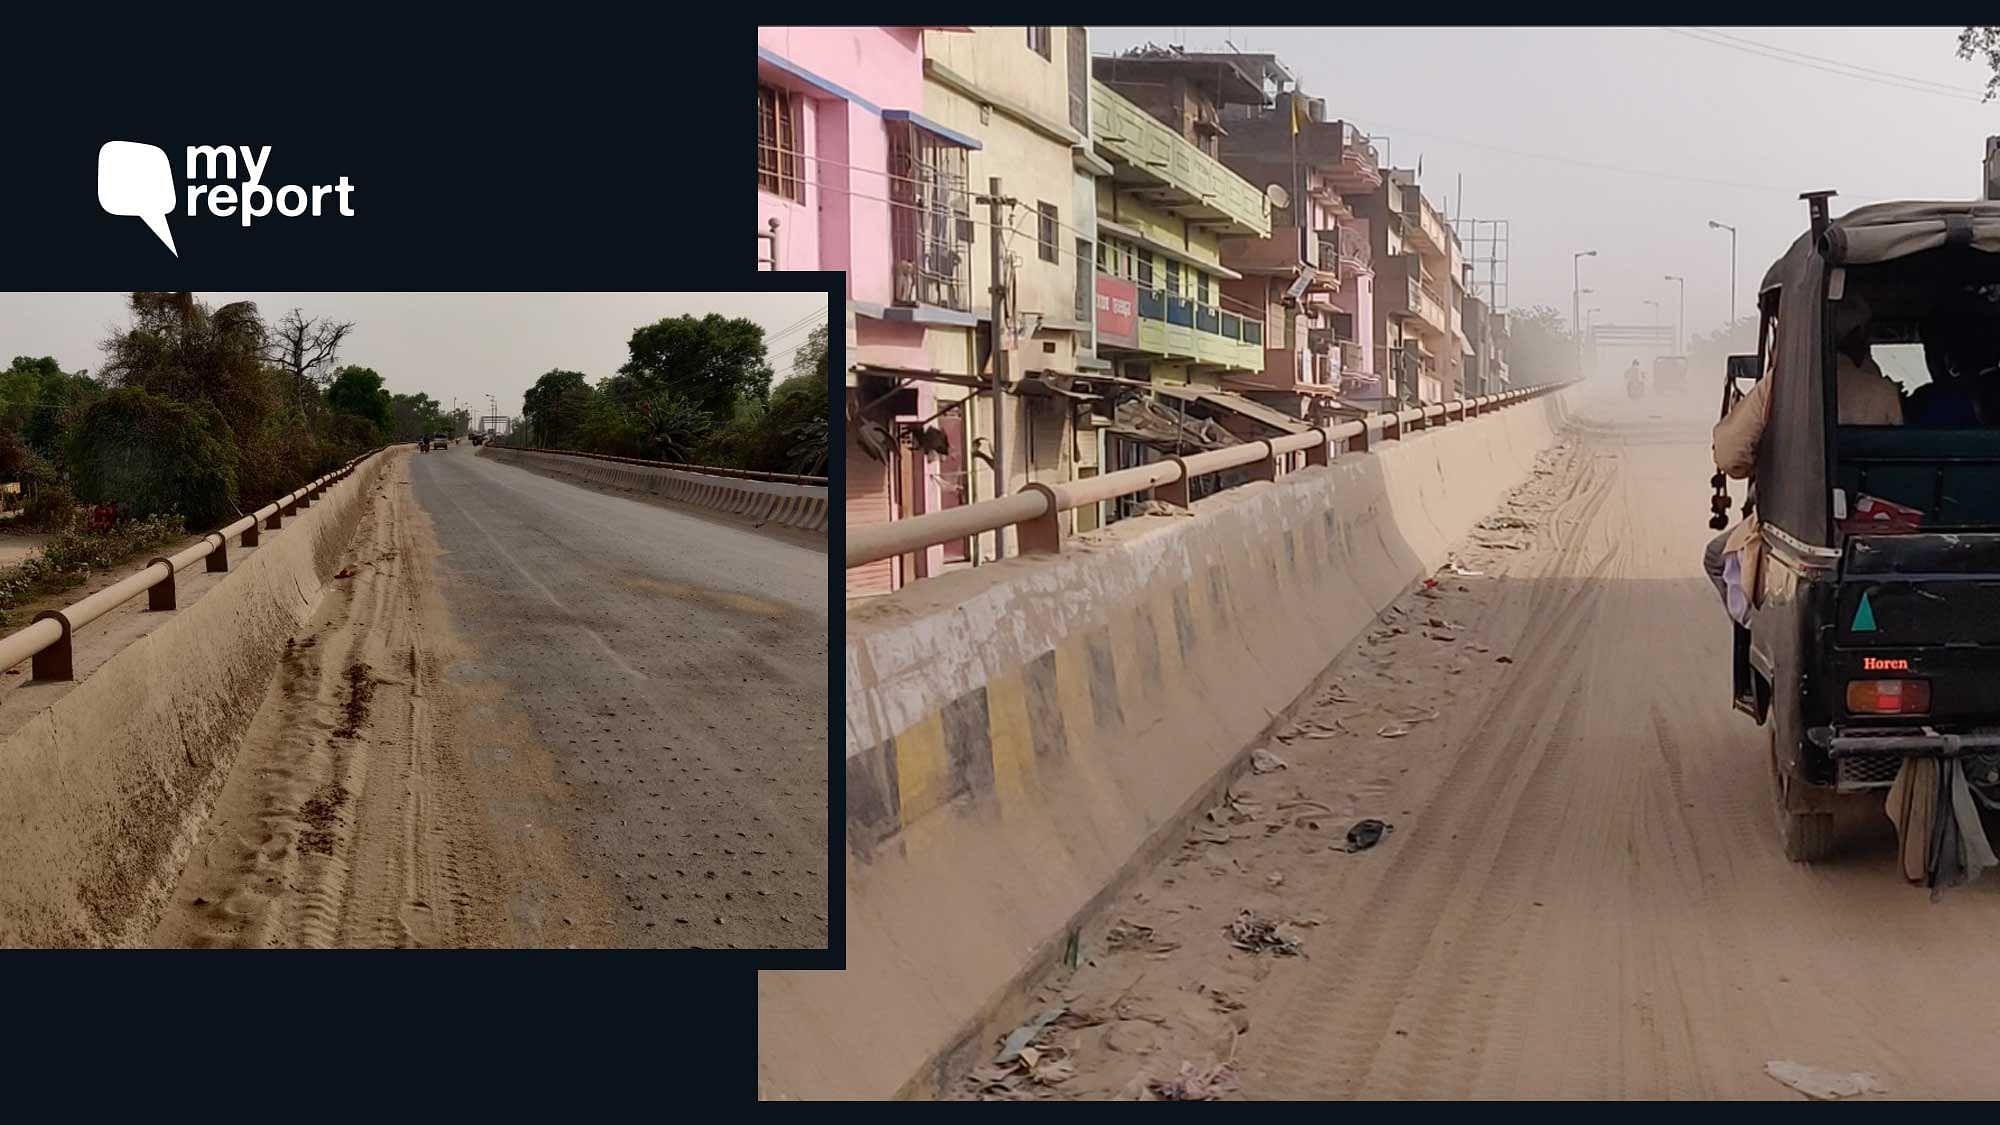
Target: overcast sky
pixel 461 346
pixel 1672 108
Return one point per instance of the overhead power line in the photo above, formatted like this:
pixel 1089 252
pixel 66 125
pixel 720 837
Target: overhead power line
pixel 1828 66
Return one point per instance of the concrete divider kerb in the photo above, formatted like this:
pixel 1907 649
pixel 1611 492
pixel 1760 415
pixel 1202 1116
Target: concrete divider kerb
pixel 998 793
pixel 104 790
pixel 801 506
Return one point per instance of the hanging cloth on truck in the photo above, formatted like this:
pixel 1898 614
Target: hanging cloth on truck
pixel 1940 839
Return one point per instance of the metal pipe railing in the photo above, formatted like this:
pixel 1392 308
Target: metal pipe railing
pixel 1033 511
pixel 711 470
pixel 47 640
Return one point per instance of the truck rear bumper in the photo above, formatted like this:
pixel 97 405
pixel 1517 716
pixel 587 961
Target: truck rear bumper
pixel 1870 759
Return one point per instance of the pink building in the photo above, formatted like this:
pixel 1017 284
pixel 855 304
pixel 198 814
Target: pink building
pixel 857 180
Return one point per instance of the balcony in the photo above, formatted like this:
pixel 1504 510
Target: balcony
pixel 1350 356
pixel 1406 295
pixel 930 228
pixel 1161 168
pixel 1355 170
pixel 1278 255
pixel 1421 227
pixel 1186 329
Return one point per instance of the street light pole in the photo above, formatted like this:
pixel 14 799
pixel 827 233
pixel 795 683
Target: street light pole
pixel 1713 225
pixel 1576 300
pixel 1680 315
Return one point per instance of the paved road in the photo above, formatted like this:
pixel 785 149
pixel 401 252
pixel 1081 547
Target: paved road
pixel 1584 893
pixel 676 668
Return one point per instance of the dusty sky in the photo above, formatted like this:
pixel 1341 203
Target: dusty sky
pixel 461 346
pixel 1656 102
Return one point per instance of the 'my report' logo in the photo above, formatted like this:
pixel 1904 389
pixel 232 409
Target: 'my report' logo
pixel 137 180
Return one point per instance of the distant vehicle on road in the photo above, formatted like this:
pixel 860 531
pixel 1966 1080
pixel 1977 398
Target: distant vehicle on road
pixel 423 443
pixel 478 438
pixel 1670 374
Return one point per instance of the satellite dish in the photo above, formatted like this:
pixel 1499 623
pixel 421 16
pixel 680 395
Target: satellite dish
pixel 1279 197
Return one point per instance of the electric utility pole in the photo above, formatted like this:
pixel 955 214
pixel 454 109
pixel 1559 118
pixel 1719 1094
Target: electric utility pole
pixel 994 201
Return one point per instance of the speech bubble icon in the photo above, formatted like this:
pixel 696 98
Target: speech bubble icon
pixel 137 180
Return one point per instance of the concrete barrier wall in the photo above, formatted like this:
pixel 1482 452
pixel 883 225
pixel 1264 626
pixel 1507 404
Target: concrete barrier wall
pixel 790 505
pixel 103 793
pixel 1021 737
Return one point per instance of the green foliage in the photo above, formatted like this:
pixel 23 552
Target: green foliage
pixel 788 433
pixel 359 391
pixel 38 398
pixel 1540 347
pixel 154 455
pixel 412 416
pixel 710 363
pixel 75 552
pixel 1983 43
pixel 555 407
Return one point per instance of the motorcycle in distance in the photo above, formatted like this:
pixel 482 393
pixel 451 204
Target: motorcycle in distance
pixel 1635 382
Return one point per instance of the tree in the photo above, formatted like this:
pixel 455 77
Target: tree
pixel 555 407
pixel 414 415
pixel 1709 351
pixel 710 363
pixel 37 398
pixel 178 348
pixel 1540 347
pixel 358 391
pixel 150 455
pixel 672 425
pixel 1983 43
pixel 305 347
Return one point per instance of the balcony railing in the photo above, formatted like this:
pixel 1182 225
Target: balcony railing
pixel 1208 333
pixel 1204 191
pixel 930 231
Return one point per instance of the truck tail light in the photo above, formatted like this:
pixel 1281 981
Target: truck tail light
pixel 1888 697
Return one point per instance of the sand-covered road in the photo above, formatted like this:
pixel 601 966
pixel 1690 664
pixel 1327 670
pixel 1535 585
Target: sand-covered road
pixel 1583 893
pixel 532 714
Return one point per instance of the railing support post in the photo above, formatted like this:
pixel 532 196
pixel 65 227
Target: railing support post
pixel 54 662
pixel 250 534
pixel 289 508
pixel 218 559
pixel 1043 534
pixel 306 497
pixel 1174 492
pixel 1267 469
pixel 161 597
pixel 1318 454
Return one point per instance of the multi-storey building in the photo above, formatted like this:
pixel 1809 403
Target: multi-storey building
pixel 1416 263
pixel 1314 273
pixel 1024 94
pixel 852 176
pixel 1165 314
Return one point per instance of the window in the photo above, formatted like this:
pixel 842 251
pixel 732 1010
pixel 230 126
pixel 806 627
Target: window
pixel 1105 255
pixel 1201 286
pixel 1039 42
pixel 1145 269
pixel 778 156
pixel 1045 232
pixel 1173 278
pixel 930 222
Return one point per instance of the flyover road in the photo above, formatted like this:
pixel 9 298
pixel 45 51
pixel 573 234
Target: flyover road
pixel 533 714
pixel 1583 894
